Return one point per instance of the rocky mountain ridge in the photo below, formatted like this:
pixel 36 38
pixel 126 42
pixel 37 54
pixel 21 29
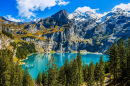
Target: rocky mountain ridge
pixel 64 32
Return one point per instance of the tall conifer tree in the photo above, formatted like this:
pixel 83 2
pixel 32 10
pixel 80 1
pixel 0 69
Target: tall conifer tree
pixel 5 68
pixel 122 57
pixel 97 72
pixel 53 73
pixel 101 71
pixel 17 77
pixel 80 69
pixel 39 78
pixel 74 74
pixel 28 81
pixel 44 78
pixel 128 59
pixel 67 70
pixel 91 74
pixel 62 76
pixel 113 57
pixel 85 72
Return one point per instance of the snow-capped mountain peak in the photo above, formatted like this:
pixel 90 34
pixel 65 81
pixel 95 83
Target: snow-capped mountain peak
pixel 125 7
pixel 84 13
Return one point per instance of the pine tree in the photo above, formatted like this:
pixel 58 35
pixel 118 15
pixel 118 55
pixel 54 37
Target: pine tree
pixel 27 79
pixel 85 72
pixel 20 74
pixel 122 57
pixel 53 73
pixel 74 74
pixel 106 67
pixel 101 71
pixel 80 69
pixel 17 77
pixel 91 74
pixel 44 78
pixel 67 70
pixel 113 59
pixel 39 78
pixel 128 59
pixel 5 68
pixel 70 72
pixel 14 76
pixel 62 76
pixel 97 72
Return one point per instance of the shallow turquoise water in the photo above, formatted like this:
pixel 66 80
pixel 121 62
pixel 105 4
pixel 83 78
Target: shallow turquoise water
pixel 37 62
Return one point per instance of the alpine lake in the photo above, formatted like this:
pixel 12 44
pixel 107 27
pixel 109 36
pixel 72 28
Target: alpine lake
pixel 38 62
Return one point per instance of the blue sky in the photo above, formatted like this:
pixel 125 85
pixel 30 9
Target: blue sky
pixel 29 10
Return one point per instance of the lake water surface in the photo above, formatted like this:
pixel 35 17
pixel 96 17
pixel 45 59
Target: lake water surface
pixel 37 62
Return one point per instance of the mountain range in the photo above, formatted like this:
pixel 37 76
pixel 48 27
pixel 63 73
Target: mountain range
pixel 64 32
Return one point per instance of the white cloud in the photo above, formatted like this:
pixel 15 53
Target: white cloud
pixel 13 19
pixel 27 8
pixel 122 6
pixel 84 9
pixel 35 20
pixel 62 2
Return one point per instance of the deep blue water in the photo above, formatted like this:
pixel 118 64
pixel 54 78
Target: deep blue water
pixel 37 62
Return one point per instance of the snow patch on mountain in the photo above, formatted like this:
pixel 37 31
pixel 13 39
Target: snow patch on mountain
pixel 86 13
pixel 122 6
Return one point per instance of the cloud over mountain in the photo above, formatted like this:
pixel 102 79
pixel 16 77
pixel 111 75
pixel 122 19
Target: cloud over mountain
pixel 84 9
pixel 27 8
pixel 62 2
pixel 9 17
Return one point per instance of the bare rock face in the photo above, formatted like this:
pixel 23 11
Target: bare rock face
pixel 80 31
pixel 4 41
pixel 61 16
pixel 31 28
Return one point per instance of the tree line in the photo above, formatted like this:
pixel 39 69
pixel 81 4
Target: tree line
pixel 119 62
pixel 24 49
pixel 73 72
pixel 12 74
pixel 7 34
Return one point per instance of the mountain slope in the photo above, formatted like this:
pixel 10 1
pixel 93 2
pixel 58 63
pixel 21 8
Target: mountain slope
pixel 71 32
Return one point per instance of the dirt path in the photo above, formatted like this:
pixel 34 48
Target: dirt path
pixel 108 80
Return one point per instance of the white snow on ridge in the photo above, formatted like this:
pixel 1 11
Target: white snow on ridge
pixel 86 13
pixel 122 6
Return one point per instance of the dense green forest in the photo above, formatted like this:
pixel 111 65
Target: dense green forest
pixel 23 49
pixel 7 34
pixel 12 74
pixel 73 72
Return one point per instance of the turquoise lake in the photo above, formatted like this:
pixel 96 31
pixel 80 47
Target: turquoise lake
pixel 37 62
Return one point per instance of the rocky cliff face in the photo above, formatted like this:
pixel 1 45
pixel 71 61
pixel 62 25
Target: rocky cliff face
pixel 77 31
pixel 61 16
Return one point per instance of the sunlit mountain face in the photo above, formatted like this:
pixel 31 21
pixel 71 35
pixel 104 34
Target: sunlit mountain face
pixel 83 29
